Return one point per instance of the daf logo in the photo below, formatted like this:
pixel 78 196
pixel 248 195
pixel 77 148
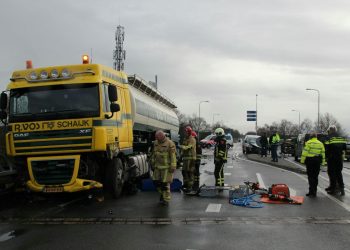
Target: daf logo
pixel 84 131
pixel 20 135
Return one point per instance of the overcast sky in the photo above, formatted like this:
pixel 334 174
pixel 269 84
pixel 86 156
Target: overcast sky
pixel 224 51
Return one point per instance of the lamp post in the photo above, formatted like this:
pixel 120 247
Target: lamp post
pixel 299 117
pixel 214 116
pixel 318 108
pixel 256 109
pixel 199 116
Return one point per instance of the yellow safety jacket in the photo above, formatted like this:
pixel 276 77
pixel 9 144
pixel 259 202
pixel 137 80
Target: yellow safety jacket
pixel 275 139
pixel 189 148
pixel 313 148
pixel 164 155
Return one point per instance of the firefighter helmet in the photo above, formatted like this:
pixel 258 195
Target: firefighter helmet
pixel 219 131
pixel 194 134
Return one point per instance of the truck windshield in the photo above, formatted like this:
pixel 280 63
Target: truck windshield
pixel 57 101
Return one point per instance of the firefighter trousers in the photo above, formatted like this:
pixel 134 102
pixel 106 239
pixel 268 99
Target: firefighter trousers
pixel 188 173
pixel 196 175
pixel 219 173
pixel 162 179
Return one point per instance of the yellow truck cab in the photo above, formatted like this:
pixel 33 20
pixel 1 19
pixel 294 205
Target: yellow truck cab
pixel 79 127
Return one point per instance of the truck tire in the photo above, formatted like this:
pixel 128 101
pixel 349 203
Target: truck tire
pixel 115 177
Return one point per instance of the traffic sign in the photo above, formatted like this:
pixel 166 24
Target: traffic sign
pixel 251 115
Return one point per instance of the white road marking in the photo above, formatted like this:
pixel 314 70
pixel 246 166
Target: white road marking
pixel 260 180
pixel 227 174
pixel 229 167
pixel 340 203
pixel 213 208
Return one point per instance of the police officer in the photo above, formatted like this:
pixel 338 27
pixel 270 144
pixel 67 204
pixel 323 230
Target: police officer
pixel 220 156
pixel 275 139
pixel 335 148
pixel 313 156
pixel 197 163
pixel 188 157
pixel 163 160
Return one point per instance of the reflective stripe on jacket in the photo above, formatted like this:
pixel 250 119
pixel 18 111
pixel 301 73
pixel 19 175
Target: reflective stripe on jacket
pixel 189 148
pixel 335 147
pixel 164 154
pixel 220 151
pixel 275 139
pixel 313 148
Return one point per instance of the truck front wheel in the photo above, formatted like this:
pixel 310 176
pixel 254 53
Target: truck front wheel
pixel 115 177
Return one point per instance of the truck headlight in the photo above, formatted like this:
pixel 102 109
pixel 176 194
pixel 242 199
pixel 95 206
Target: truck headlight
pixel 44 74
pixel 33 75
pixel 54 73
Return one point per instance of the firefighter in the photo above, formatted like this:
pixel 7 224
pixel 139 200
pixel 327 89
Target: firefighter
pixel 313 156
pixel 163 161
pixel 275 140
pixel 197 163
pixel 220 156
pixel 188 157
pixel 335 148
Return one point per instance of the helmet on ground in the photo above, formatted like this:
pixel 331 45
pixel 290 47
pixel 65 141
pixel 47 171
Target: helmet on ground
pixel 188 130
pixel 194 134
pixel 219 131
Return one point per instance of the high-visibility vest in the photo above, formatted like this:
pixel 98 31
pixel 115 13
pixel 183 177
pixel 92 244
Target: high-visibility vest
pixel 313 148
pixel 275 139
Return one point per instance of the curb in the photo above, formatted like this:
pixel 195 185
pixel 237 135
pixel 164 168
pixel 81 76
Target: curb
pixel 295 169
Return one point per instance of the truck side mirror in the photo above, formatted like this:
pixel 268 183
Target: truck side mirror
pixel 3 101
pixel 115 107
pixel 112 93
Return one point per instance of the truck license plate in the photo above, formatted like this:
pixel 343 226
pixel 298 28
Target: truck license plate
pixel 53 189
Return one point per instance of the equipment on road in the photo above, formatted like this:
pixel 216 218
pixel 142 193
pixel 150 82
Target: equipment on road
pixel 280 194
pixel 79 127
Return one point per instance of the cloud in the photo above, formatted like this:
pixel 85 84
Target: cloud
pixel 224 51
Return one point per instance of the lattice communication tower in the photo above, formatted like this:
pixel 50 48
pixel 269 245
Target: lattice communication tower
pixel 119 53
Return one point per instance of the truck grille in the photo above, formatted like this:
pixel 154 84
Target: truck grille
pixel 53 141
pixel 53 172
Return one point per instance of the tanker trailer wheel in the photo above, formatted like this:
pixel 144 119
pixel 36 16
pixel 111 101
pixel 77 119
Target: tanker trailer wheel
pixel 115 177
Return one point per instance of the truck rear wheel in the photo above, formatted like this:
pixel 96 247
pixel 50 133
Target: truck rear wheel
pixel 115 177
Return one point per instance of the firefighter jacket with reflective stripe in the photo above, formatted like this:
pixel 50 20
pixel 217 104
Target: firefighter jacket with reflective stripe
pixel 335 147
pixel 313 148
pixel 220 151
pixel 198 152
pixel 164 155
pixel 189 148
pixel 275 139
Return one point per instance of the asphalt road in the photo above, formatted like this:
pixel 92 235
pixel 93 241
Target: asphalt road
pixel 190 222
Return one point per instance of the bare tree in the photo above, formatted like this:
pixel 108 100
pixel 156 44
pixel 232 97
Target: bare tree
pixel 306 125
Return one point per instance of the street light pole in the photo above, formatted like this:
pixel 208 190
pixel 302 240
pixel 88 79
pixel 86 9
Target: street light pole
pixel 318 108
pixel 256 109
pixel 299 118
pixel 214 116
pixel 199 116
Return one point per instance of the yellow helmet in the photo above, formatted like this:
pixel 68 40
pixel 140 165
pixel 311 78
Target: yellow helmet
pixel 219 131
